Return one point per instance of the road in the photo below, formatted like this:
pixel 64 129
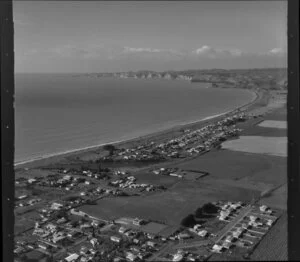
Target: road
pixel 160 252
pixel 193 244
pixel 233 223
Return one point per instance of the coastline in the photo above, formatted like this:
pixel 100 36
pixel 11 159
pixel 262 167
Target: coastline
pixel 43 160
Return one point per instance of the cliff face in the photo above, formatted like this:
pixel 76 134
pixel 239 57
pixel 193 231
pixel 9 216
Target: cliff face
pixel 268 78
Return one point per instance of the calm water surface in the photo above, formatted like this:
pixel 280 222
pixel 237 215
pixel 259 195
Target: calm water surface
pixel 56 113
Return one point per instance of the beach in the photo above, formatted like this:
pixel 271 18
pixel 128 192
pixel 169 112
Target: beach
pixel 58 114
pixel 259 101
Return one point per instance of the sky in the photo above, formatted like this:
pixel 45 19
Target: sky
pixel 112 36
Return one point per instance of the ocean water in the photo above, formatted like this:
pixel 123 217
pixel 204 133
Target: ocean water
pixel 57 113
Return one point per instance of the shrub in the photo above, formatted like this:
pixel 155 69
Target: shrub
pixel 110 148
pixel 210 208
pixel 188 221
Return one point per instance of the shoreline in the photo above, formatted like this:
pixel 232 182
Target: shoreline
pixel 258 96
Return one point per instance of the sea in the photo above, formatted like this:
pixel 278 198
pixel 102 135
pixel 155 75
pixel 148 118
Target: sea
pixel 56 113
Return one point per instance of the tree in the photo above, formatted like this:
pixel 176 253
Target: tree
pixel 199 212
pixel 110 148
pixel 188 221
pixel 210 208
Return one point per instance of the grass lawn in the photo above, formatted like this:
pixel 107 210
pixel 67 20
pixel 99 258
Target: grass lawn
pixel 170 206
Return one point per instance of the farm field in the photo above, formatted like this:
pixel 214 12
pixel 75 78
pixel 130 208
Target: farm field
pixel 273 246
pixel 265 132
pixel 170 206
pixel 277 198
pixel 149 177
pixel 232 165
pixel 274 124
pixel 276 146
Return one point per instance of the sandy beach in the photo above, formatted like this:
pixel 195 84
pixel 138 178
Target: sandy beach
pixel 260 99
pixel 263 103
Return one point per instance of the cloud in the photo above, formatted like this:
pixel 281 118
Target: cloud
pixel 277 51
pixel 211 52
pixel 133 50
pixel 69 51
pixel 145 57
pixel 214 53
pixel 140 49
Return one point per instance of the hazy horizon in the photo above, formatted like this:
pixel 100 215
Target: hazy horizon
pixel 89 37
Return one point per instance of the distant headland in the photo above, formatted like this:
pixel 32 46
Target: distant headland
pixel 268 78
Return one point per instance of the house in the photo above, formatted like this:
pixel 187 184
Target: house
pixel 136 241
pixel 85 225
pixel 229 239
pixel 74 234
pixel 227 245
pixel 67 177
pixel 58 238
pixel 177 257
pixel 237 234
pixel 61 220
pixel 183 236
pixel 175 174
pixel 83 250
pixel 77 212
pixel 217 248
pixel 94 241
pixel 122 230
pixel 131 257
pixel 115 239
pixel 56 206
pixel 150 244
pixel 197 227
pixel 72 257
pixel 263 208
pixel 96 223
pixel 118 259
pixel 138 222
pixel 18 250
pixel 51 227
pixel 203 233
pixel 42 246
pixel 253 218
pixel 223 217
pixel 22 197
pixel 31 180
pixel 129 233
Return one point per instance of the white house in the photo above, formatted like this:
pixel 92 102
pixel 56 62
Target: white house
pixel 115 239
pixel 72 257
pixel 263 208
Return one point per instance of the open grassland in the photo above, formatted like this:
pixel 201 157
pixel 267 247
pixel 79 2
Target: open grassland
pixel 235 166
pixel 170 206
pixel 274 124
pixel 276 198
pixel 150 178
pixel 273 246
pixel 276 146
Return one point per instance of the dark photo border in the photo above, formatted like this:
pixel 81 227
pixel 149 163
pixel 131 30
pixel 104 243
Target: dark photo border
pixel 293 132
pixel 7 128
